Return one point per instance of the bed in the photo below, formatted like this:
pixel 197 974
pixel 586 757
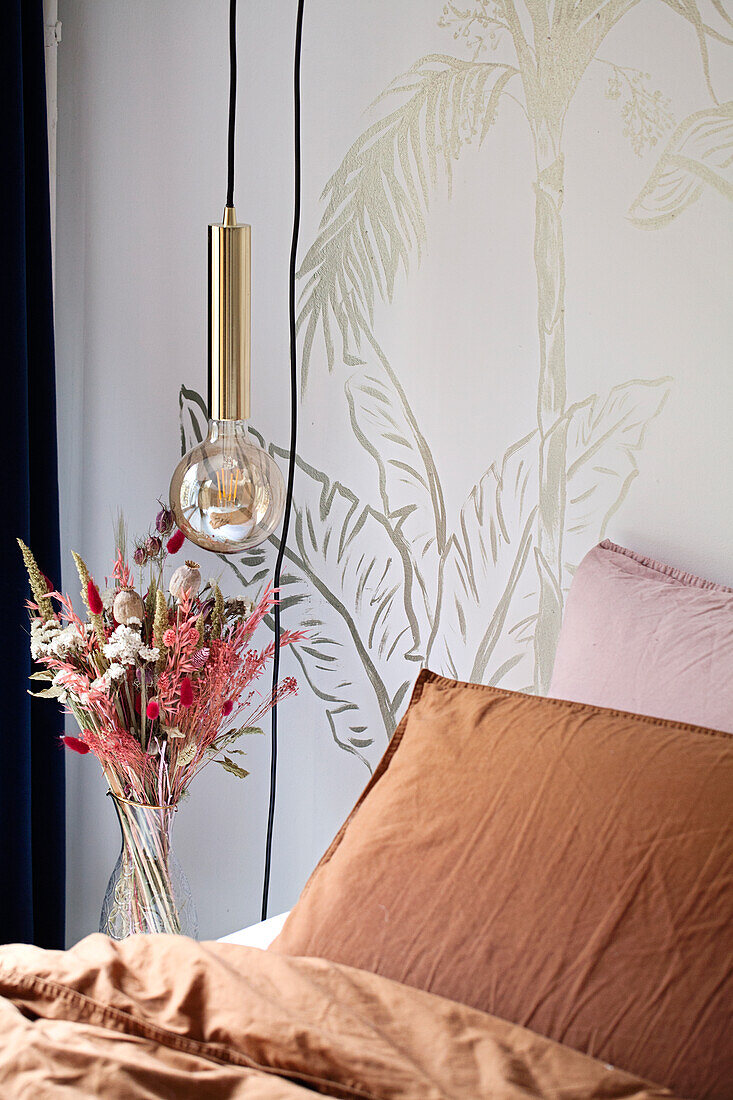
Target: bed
pixel 257 935
pixel 167 1017
pixel 533 897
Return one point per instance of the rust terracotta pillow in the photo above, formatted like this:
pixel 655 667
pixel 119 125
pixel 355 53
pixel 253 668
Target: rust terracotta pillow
pixel 562 866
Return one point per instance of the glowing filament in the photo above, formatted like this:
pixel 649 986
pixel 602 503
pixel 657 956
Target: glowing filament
pixel 227 482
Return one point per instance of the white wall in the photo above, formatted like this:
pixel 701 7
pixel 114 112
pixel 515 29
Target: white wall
pixel 141 169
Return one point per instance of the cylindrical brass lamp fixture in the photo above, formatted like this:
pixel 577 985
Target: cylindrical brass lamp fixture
pixel 230 251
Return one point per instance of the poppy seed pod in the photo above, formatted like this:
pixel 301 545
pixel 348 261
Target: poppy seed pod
pixel 128 605
pixel 187 578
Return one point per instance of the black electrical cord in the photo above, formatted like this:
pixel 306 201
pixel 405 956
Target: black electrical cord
pixel 232 99
pixel 293 382
pixel 293 442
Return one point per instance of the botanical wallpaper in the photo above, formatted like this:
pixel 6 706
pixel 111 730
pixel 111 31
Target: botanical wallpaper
pixel 388 584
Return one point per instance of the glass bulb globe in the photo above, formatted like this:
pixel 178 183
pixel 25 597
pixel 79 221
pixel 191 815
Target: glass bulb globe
pixel 227 494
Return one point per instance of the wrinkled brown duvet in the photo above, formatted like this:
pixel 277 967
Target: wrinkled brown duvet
pixel 164 1016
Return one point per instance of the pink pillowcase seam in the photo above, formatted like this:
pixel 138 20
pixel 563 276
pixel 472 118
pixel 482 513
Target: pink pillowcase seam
pixel 689 579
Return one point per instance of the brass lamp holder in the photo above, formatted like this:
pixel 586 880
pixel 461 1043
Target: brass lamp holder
pixel 230 318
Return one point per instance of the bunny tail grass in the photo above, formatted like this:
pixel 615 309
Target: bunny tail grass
pixel 85 577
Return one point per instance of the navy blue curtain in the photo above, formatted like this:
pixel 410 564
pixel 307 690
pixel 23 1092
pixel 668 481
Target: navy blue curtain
pixel 32 844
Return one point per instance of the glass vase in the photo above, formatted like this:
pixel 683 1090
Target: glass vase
pixel 147 891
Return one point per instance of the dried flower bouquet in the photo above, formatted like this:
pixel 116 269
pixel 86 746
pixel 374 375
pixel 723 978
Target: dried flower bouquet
pixel 160 683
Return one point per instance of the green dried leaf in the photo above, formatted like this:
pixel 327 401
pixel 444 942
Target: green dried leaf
pixel 233 735
pixel 186 754
pixel 229 766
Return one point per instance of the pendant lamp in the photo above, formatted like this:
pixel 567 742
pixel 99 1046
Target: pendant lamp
pixel 227 493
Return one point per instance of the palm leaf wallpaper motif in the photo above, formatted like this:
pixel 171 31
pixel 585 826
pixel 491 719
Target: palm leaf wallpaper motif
pixel 376 202
pixel 344 579
pixel 388 585
pixel 699 156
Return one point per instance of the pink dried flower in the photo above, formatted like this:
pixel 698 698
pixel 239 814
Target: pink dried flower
pixel 200 657
pixel 169 637
pixel 76 745
pixel 152 710
pixel 121 572
pixel 95 600
pixel 175 542
pixel 227 709
pixel 186 692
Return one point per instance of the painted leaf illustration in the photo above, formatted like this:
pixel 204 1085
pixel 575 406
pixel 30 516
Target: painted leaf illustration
pixel 485 567
pixel 193 418
pixel 377 199
pixel 349 575
pixel 699 155
pixel 604 436
pixel 490 562
pixel 344 584
pixel 412 498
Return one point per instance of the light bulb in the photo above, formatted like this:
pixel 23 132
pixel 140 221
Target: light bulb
pixel 227 494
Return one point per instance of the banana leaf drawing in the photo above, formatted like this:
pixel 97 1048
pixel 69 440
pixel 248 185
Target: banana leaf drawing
pixel 495 548
pixel 699 156
pixel 393 582
pixel 344 580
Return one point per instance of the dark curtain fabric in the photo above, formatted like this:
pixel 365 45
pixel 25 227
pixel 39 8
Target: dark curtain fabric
pixel 32 841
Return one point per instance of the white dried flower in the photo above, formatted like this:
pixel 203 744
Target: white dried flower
pixel 42 636
pixel 148 653
pixel 65 641
pixel 107 596
pixel 104 682
pixel 123 645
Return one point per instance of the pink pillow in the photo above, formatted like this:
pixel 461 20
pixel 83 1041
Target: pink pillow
pixel 640 636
